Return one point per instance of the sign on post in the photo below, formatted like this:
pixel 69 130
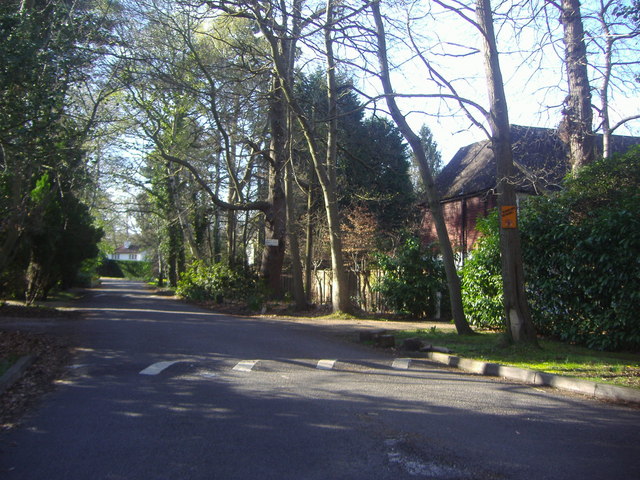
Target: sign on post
pixel 271 242
pixel 509 216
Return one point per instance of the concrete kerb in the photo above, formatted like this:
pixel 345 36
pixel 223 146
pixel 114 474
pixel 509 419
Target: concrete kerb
pixel 15 372
pixel 585 387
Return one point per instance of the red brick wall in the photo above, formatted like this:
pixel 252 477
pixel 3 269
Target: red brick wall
pixel 460 216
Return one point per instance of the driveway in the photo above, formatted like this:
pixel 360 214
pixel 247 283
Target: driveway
pixel 164 390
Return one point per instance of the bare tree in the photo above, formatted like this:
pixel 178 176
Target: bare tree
pixel 578 114
pixel 453 281
pixel 616 39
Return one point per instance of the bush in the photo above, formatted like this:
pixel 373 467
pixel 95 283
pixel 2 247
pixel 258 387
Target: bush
pixel 481 279
pixel 582 256
pixel 219 282
pixel 411 279
pixel 581 252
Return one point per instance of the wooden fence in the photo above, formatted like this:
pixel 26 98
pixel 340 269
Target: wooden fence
pixel 360 288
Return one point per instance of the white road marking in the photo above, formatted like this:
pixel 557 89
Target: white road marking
pixel 158 367
pixel 401 363
pixel 325 364
pixel 245 365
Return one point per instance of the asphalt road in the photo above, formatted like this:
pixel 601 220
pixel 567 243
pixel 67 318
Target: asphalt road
pixel 162 390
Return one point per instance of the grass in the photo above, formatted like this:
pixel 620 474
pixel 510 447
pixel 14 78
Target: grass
pixel 552 356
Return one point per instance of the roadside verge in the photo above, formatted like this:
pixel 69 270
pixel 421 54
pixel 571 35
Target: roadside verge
pixel 15 372
pixel 585 387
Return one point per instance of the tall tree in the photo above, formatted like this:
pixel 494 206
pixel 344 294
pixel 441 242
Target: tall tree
pixel 47 52
pixel 214 61
pixel 280 35
pixel 453 281
pixel 519 322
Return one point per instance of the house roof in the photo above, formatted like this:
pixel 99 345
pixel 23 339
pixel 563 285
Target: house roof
pixel 130 249
pixel 539 155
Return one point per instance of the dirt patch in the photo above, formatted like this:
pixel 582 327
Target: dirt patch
pixel 51 355
pixel 21 311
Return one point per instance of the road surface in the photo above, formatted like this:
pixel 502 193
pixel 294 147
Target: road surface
pixel 162 390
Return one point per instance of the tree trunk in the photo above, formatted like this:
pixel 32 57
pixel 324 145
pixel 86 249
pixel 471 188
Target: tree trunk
pixel 520 326
pixel 308 261
pixel 282 54
pixel 294 247
pixel 340 293
pixel 604 93
pixel 578 115
pixel 276 215
pixel 453 281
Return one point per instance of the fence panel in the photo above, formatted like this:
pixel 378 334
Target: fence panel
pixel 360 286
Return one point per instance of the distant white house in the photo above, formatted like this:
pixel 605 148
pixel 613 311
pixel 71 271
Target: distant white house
pixel 129 252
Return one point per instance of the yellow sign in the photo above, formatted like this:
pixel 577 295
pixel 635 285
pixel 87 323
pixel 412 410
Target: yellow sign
pixel 509 216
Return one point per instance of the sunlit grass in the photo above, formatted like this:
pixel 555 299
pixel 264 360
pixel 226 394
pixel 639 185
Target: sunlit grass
pixel 551 356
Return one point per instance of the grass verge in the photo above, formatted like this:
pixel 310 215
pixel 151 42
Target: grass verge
pixel 552 356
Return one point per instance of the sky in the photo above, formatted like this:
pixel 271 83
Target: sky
pixel 534 80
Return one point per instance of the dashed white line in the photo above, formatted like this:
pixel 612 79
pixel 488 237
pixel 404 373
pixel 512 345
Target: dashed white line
pixel 245 365
pixel 325 364
pixel 401 363
pixel 158 367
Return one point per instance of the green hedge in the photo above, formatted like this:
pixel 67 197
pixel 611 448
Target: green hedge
pixel 126 269
pixel 581 250
pixel 481 278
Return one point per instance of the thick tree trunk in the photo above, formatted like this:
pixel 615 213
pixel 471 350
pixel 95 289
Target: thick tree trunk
pixel 520 325
pixel 282 53
pixel 453 281
pixel 578 114
pixel 275 217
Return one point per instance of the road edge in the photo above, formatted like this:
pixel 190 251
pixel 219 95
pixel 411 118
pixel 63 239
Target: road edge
pixel 592 389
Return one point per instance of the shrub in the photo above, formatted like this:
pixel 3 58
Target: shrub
pixel 219 282
pixel 481 279
pixel 411 278
pixel 582 256
pixel 581 252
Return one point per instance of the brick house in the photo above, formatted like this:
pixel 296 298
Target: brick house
pixel 467 184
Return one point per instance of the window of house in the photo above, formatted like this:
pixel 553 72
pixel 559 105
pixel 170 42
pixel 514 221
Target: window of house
pixel 133 256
